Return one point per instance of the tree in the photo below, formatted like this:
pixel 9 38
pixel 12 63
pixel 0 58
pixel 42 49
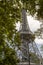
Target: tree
pixel 41 48
pixel 8 18
pixel 10 14
pixel 34 58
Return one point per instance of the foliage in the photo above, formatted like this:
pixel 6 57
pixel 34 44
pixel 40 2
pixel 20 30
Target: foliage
pixel 8 57
pixel 8 18
pixel 41 48
pixel 34 58
pixel 32 6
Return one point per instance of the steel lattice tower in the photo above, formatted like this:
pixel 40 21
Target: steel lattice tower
pixel 26 38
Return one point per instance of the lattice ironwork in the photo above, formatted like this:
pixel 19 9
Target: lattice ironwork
pixel 27 40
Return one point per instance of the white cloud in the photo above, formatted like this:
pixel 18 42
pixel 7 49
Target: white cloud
pixel 33 24
pixel 18 26
pixel 39 41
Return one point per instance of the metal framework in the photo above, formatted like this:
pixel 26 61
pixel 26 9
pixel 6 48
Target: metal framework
pixel 27 40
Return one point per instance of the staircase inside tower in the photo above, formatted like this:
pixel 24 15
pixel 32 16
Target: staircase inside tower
pixel 30 52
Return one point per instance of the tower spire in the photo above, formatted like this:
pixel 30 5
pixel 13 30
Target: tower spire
pixel 24 24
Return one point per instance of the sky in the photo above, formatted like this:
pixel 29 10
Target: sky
pixel 34 25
